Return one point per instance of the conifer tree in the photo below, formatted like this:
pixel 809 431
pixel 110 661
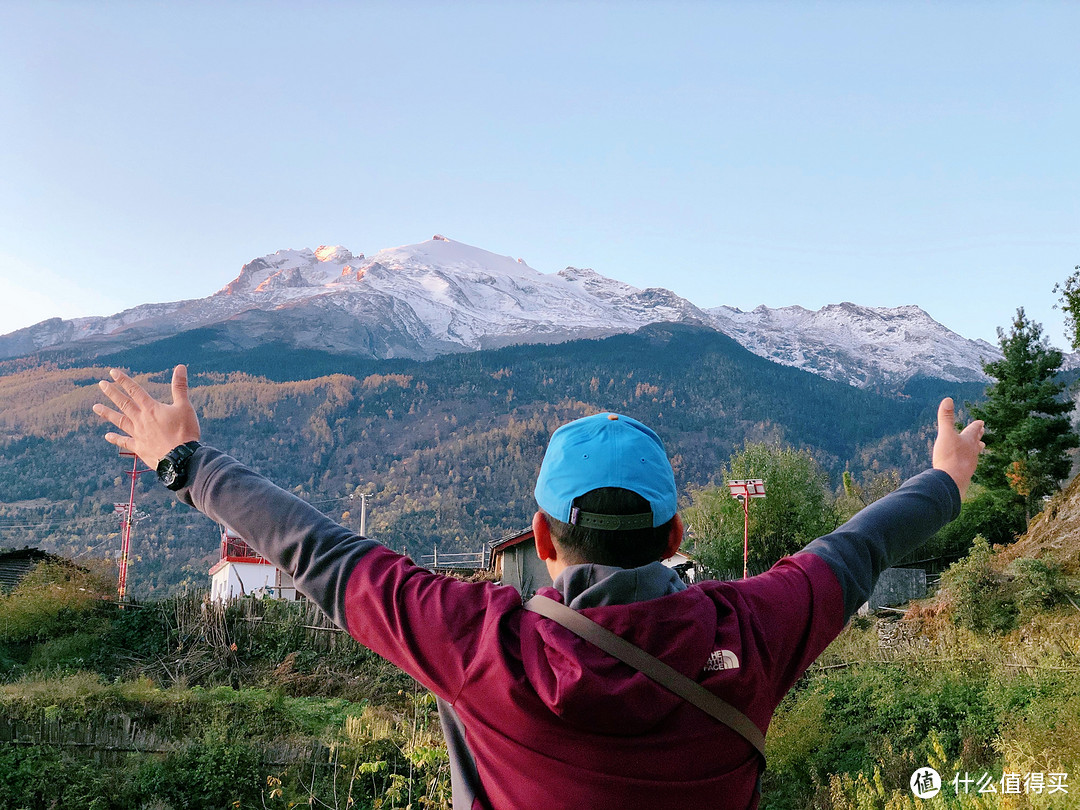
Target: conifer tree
pixel 1028 432
pixel 1070 305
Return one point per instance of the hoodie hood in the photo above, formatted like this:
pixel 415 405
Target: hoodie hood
pixel 586 586
pixel 648 606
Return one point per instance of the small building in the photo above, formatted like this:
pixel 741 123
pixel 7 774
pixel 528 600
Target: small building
pixel 686 566
pixel 16 563
pixel 896 586
pixel 242 571
pixel 514 561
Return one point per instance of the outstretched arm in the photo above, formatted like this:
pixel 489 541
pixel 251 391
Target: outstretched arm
pixel 426 624
pixel 902 521
pixel 292 534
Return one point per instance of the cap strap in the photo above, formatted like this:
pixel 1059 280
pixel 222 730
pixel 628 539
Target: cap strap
pixel 593 520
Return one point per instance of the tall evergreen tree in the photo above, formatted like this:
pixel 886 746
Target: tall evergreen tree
pixel 1028 432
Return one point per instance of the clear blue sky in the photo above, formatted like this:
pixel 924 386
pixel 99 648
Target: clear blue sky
pixel 737 153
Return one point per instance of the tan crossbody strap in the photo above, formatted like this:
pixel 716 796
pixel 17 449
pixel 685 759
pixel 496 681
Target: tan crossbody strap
pixel 651 667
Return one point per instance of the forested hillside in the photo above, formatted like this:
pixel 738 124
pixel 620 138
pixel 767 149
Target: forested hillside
pixel 448 448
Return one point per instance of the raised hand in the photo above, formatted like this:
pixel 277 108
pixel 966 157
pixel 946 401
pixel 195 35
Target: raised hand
pixel 153 428
pixel 957 453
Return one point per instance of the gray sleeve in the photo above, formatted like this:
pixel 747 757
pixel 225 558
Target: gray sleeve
pixel 885 531
pixel 291 533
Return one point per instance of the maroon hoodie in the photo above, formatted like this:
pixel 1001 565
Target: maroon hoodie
pixel 543 719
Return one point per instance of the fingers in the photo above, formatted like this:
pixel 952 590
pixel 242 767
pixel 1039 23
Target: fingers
pixel 179 385
pixel 946 416
pixel 115 417
pixel 119 398
pixel 123 442
pixel 131 388
pixel 975 432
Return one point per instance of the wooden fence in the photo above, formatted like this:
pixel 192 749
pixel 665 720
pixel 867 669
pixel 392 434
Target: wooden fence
pixel 109 741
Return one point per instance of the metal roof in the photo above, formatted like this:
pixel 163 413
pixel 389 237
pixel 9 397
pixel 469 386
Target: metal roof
pixel 17 563
pixel 510 539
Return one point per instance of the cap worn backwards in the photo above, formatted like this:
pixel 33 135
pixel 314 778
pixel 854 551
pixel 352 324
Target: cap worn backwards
pixel 605 450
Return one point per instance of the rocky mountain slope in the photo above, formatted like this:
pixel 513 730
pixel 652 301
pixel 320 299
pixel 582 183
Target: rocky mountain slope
pixel 1054 533
pixel 856 344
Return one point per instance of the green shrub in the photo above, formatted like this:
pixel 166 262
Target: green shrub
pixel 989 599
pixel 53 599
pixel 139 632
pixel 1038 585
pixel 984 514
pixel 981 600
pixel 66 653
pixel 873 716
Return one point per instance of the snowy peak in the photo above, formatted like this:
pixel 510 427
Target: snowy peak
pixel 457 258
pixel 334 253
pixel 442 296
pixel 292 268
pixel 474 298
pixel 412 301
pixel 857 344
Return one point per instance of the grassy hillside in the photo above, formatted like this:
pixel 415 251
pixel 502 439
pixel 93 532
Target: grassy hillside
pixel 175 704
pixel 181 704
pixel 981 678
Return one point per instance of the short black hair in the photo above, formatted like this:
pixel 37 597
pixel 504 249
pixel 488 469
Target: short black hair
pixel 624 548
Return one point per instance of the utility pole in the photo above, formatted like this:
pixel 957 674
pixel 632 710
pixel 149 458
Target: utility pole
pixel 363 510
pixel 743 490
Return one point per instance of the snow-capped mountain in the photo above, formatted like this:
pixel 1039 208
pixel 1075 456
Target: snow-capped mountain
pixel 443 296
pixel 856 344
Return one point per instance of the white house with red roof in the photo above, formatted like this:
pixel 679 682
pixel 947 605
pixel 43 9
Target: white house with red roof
pixel 242 571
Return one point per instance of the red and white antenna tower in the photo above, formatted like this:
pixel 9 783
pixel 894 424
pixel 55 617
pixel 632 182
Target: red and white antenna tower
pixel 128 512
pixel 743 490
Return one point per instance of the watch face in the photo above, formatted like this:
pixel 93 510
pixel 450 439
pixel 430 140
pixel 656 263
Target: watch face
pixel 166 471
pixel 172 469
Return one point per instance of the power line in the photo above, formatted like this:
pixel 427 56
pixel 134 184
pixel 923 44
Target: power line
pixel 67 521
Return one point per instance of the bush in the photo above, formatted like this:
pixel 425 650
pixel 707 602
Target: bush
pixel 53 599
pixel 66 653
pixel 981 603
pixel 1038 585
pixel 989 599
pixel 856 719
pixel 984 514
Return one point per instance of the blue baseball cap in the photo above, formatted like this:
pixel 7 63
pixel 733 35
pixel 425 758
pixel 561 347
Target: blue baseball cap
pixel 605 450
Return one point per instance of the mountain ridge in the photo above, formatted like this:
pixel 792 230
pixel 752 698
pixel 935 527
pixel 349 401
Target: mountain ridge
pixel 441 296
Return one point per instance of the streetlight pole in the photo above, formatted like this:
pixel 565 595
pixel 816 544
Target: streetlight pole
pixel 128 511
pixel 743 490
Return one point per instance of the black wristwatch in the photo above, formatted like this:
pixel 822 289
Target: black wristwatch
pixel 172 470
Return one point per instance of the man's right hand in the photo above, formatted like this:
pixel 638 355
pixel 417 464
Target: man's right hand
pixel 957 453
pixel 153 427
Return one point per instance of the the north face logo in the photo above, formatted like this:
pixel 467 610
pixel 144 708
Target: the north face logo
pixel 722 659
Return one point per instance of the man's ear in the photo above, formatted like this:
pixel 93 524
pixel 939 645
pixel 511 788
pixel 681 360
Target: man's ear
pixel 545 548
pixel 674 538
